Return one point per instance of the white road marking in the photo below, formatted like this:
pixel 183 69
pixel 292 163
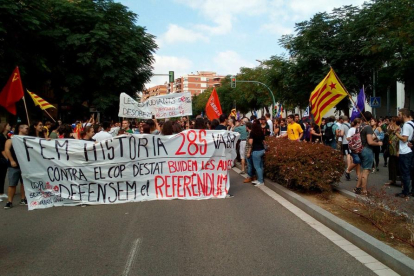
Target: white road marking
pixel 131 256
pixel 376 266
pixel 370 262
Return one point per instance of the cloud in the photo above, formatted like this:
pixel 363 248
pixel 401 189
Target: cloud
pixel 176 34
pixel 282 14
pixel 229 62
pixel 276 28
pixel 308 8
pixel 223 13
pixel 164 64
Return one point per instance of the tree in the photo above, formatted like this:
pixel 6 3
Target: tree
pixel 326 40
pixel 84 51
pixel 387 33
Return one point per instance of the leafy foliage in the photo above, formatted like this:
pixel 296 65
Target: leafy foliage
pixel 308 166
pixel 377 39
pixel 81 50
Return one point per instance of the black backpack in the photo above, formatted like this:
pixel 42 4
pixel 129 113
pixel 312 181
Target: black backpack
pixel 329 135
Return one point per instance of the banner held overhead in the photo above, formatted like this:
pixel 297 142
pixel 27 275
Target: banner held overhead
pixel 165 106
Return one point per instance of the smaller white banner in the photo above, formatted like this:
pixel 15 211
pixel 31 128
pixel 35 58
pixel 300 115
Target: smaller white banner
pixel 165 106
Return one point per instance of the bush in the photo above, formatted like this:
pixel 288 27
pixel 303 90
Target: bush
pixel 307 166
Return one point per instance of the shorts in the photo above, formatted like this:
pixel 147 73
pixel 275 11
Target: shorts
pixel 242 149
pixel 14 175
pixel 345 150
pixel 367 158
pixel 355 158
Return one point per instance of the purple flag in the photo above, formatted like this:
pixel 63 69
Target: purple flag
pixel 360 102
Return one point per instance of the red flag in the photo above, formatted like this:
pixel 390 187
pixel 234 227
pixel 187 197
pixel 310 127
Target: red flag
pixel 12 92
pixel 213 108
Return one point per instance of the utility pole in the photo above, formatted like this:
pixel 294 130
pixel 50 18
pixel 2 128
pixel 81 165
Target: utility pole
pixel 233 79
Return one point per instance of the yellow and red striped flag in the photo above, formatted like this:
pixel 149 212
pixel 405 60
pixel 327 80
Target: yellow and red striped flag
pixel 326 95
pixel 43 104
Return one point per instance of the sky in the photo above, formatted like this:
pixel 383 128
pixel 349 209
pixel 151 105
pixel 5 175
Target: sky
pixel 221 35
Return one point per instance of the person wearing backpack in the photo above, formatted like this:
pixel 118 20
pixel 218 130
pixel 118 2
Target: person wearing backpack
pixel 405 157
pixel 330 133
pixel 367 154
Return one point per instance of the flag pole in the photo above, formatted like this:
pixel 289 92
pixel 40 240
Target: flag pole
pixel 49 116
pixel 349 95
pixel 25 107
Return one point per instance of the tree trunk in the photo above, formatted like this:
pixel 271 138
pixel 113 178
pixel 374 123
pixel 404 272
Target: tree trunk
pixel 408 88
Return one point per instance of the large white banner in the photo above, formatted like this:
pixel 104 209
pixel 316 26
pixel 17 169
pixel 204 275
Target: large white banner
pixel 191 165
pixel 165 106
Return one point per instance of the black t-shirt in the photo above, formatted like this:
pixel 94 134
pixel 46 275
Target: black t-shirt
pixel 221 127
pixel 3 140
pixel 266 129
pixel 318 131
pixel 257 142
pixel 365 131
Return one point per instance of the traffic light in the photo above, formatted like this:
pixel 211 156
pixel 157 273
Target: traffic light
pixel 171 76
pixel 233 82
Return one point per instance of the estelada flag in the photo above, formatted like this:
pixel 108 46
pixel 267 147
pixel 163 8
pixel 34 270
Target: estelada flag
pixel 12 92
pixel 38 101
pixel 326 95
pixel 213 107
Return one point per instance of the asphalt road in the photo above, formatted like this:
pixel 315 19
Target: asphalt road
pixel 250 234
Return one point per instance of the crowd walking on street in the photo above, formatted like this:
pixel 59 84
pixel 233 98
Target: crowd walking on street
pixel 361 142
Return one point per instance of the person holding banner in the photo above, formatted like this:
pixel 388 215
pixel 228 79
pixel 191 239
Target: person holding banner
pixel 154 127
pixel 223 122
pixel 200 124
pixel 87 133
pixel 126 126
pixel 4 130
pixel 14 172
pixel 167 128
pixel 36 130
pixel 104 133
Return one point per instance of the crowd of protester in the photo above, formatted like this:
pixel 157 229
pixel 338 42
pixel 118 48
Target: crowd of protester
pixel 391 136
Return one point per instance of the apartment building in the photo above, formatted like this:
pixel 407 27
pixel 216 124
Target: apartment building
pixel 195 83
pixel 157 90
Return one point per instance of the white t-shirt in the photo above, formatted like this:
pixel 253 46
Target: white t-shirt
pixel 345 127
pixel 270 123
pixel 102 135
pixel 407 130
pixel 114 131
pixel 351 132
pixel 339 127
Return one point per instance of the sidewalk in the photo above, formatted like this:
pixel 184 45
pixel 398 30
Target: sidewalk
pixel 376 183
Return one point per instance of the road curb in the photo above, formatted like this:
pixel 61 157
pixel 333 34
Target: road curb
pixel 379 250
